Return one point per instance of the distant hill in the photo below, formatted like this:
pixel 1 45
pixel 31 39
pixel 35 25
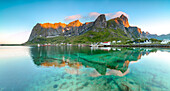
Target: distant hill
pixel 159 37
pixel 77 32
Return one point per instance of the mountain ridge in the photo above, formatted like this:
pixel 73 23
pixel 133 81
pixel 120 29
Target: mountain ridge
pixel 159 37
pixel 117 27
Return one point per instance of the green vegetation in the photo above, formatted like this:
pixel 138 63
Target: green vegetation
pixel 43 40
pixel 144 39
pixel 88 37
pixel 155 40
pixel 111 23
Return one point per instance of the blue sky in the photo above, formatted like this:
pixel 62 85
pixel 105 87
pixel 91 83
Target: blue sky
pixel 17 17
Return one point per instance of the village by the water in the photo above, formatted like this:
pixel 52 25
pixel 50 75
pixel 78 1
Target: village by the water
pixel 119 43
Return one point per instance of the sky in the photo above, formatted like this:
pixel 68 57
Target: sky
pixel 18 17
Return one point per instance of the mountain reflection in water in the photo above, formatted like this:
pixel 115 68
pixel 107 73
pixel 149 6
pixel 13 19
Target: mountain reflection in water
pixel 105 61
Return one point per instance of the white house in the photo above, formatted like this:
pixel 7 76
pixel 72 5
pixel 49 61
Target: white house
pixel 119 49
pixel 165 41
pixel 147 42
pixel 69 44
pixel 113 41
pixel 106 43
pixel 118 41
pixel 113 49
pixel 38 45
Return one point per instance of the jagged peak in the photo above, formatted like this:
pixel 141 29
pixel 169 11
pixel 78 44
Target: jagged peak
pixel 125 20
pixel 123 16
pixel 147 32
pixel 100 22
pixel 75 23
pixel 102 16
pixel 51 25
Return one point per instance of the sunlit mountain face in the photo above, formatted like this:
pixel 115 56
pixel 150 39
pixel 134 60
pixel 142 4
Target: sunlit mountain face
pixel 103 61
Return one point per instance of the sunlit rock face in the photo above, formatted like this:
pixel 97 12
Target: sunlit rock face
pixel 115 23
pixel 46 29
pixel 125 20
pixel 76 23
pixel 54 26
pixel 135 31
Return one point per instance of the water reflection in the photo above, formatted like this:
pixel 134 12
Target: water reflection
pixel 104 61
pixel 84 69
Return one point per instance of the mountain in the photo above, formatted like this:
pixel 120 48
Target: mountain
pixel 77 32
pixel 159 37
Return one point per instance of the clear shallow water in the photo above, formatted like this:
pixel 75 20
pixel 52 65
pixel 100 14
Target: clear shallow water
pixel 65 68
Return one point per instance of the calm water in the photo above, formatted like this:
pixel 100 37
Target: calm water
pixel 65 68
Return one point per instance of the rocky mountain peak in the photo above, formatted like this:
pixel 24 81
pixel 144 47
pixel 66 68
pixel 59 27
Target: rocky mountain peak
pixel 76 28
pixel 54 26
pixel 147 33
pixel 100 22
pixel 57 25
pixel 75 23
pixel 139 30
pixel 123 16
pixel 125 20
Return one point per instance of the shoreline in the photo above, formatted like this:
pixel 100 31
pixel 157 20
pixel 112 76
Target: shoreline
pixel 152 45
pixel 120 45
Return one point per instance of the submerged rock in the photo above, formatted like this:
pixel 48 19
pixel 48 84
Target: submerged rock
pixel 55 86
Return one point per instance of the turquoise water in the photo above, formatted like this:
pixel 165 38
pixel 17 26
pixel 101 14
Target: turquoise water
pixel 66 68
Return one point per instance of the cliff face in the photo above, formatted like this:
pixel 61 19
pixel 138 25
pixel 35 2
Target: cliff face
pixel 135 32
pixel 100 22
pixel 76 28
pixel 76 23
pixel 125 20
pixel 123 24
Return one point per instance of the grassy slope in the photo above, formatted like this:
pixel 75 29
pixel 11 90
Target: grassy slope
pixel 88 37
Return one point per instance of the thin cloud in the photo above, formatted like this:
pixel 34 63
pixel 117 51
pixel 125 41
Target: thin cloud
pixel 94 15
pixel 73 17
pixel 91 16
pixel 114 15
pixel 119 13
